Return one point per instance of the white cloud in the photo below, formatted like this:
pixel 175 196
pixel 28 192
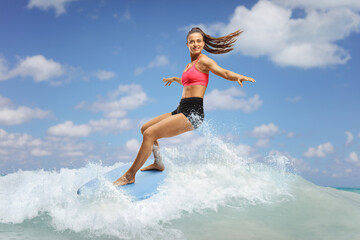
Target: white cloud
pixel 18 147
pixel 159 61
pixel 265 131
pixel 41 69
pixel 68 129
pixel 20 115
pixel 57 5
pixel 74 154
pixel 115 107
pixel 67 149
pixel 320 151
pixel 111 125
pixel 270 30
pixel 353 158
pixel 132 145
pixel 20 150
pixel 230 100
pixel 37 67
pixel 40 152
pixel 350 137
pixel 139 71
pixel 263 142
pixel 293 99
pixel 10 115
pixel 290 134
pixel 319 4
pixel 105 75
pixel 5 102
pixel 12 140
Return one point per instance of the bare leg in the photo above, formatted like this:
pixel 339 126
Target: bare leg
pixel 158 163
pixel 142 156
pixel 168 127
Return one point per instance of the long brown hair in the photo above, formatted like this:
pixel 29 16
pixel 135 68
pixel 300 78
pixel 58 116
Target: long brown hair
pixel 217 45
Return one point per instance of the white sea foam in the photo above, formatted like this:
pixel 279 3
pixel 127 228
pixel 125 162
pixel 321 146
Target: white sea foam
pixel 208 184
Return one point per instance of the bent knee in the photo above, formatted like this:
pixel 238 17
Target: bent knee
pixel 149 134
pixel 143 128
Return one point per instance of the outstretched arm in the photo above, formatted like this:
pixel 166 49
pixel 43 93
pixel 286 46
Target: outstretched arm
pixel 228 75
pixel 170 80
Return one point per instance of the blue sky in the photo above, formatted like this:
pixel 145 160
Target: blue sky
pixel 78 78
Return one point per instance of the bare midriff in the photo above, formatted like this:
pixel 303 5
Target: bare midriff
pixel 194 91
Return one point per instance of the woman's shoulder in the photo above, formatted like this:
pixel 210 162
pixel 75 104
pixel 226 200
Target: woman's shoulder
pixel 206 60
pixel 204 57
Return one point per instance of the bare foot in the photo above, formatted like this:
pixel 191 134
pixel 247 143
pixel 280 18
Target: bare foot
pixel 154 166
pixel 123 180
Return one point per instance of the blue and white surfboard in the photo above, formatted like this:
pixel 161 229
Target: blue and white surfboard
pixel 146 183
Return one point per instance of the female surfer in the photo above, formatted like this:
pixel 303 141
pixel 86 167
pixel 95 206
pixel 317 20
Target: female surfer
pixel 189 113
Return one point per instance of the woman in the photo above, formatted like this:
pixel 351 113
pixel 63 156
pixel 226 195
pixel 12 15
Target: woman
pixel 189 114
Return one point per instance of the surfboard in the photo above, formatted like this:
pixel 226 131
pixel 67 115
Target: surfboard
pixel 146 183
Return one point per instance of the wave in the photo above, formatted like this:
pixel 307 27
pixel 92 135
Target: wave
pixel 211 192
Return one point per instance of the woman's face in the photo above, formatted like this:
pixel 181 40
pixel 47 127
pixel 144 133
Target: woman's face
pixel 195 43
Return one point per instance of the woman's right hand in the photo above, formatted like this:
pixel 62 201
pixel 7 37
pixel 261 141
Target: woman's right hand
pixel 168 81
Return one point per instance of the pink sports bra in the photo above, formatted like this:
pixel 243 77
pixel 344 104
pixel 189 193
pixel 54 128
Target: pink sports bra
pixel 194 77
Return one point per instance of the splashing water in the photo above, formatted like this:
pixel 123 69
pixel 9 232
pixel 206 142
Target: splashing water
pixel 212 192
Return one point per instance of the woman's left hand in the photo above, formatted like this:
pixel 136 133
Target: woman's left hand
pixel 242 78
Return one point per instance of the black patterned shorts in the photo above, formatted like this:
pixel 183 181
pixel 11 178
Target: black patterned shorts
pixel 193 109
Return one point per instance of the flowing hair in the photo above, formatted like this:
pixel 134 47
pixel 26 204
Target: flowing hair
pixel 218 45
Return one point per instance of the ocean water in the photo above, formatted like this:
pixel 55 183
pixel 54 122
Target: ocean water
pixel 355 190
pixel 212 192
